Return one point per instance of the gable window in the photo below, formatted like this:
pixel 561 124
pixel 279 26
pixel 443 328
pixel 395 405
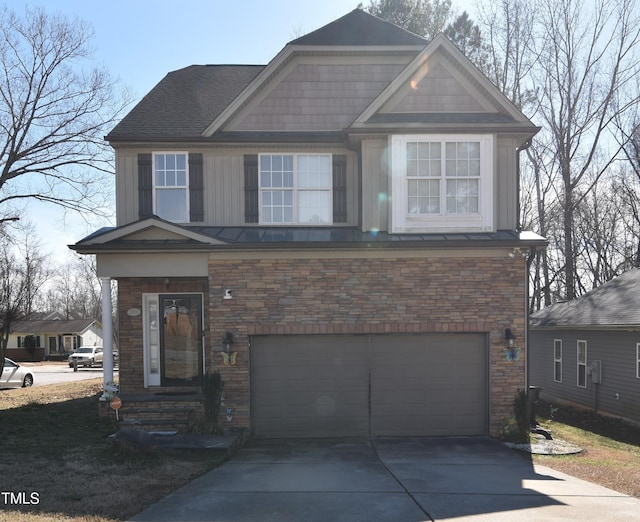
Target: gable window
pixel 442 183
pixel 582 364
pixel 295 189
pixel 171 186
pixel 557 360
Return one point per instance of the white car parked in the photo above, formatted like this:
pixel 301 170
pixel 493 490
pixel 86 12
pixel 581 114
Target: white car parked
pixel 15 376
pixel 86 356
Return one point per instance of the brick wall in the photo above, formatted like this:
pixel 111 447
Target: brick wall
pixel 342 296
pixel 356 296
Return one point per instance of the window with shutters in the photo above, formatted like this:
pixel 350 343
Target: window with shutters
pixel 171 186
pixel 295 189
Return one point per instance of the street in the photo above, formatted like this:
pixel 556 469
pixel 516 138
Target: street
pixel 57 372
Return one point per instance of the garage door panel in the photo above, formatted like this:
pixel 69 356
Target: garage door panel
pixel 317 386
pixel 453 368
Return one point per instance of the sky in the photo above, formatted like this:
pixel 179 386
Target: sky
pixel 140 41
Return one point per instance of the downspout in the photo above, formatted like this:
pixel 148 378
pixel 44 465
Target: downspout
pixel 528 261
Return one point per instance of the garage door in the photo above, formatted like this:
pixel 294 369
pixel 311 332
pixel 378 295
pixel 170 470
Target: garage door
pixel 369 385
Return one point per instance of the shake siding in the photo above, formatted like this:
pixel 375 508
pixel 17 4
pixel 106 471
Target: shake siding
pixel 319 97
pixel 616 350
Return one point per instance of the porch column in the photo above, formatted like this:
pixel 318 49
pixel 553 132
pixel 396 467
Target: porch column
pixel 107 340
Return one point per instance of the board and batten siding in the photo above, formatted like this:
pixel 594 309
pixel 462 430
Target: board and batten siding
pixel 223 183
pixel 619 392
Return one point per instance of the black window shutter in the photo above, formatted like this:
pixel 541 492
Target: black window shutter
pixel 145 186
pixel 339 188
pixel 196 188
pixel 251 214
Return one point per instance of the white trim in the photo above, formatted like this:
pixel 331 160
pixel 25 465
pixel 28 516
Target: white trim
pixel 557 360
pixel 186 186
pixel 295 189
pixel 579 364
pixel 403 222
pixel 638 360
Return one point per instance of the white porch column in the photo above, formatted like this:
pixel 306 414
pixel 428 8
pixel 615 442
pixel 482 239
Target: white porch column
pixel 107 340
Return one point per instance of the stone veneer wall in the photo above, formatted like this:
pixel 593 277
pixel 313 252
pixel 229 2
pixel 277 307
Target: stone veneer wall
pixel 342 296
pixel 359 295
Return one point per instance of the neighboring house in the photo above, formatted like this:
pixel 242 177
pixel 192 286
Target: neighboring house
pixel 587 351
pixel 54 337
pixel 336 232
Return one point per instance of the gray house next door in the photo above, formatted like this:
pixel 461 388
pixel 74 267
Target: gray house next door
pixel 369 385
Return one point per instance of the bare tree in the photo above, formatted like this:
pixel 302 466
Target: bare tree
pixel 426 18
pixel 23 272
pixel 54 111
pixel 590 60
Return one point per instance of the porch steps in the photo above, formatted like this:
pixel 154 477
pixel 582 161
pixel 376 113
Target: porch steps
pixel 167 412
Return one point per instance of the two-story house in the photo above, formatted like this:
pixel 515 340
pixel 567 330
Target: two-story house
pixel 335 232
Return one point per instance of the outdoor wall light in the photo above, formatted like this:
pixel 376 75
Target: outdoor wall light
pixel 511 352
pixel 227 341
pixel 509 339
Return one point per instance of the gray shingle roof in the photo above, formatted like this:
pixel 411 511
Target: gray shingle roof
pixel 185 102
pixel 616 303
pixel 360 28
pixel 51 326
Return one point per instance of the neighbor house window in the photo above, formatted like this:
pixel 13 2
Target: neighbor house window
pixel 295 189
pixel 582 364
pixel 171 186
pixel 557 360
pixel 638 360
pixel 442 183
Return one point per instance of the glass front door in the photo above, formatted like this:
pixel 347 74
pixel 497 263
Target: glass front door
pixel 181 340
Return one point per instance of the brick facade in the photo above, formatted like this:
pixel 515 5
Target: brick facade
pixel 358 295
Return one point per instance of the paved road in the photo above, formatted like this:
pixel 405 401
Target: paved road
pixel 56 372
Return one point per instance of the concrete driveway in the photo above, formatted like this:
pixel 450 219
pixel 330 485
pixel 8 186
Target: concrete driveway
pixel 395 480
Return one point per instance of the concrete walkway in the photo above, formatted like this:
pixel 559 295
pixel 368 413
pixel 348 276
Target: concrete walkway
pixel 395 480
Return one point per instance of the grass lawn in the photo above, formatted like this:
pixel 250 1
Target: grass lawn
pixel 611 455
pixel 57 459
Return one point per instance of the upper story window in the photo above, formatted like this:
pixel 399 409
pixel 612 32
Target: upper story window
pixel 296 189
pixel 442 183
pixel 171 186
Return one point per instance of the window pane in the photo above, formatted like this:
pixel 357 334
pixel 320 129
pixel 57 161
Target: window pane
pixel 171 204
pixel 276 163
pixel 170 161
pixel 265 163
pixel 314 207
pixel 412 151
pixel 276 179
pixel 265 179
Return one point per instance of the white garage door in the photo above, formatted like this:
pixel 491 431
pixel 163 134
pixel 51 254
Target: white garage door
pixel 369 385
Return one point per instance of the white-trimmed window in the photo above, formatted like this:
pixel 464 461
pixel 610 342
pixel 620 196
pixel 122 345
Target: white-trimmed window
pixel 557 360
pixel 582 363
pixel 171 186
pixel 296 189
pixel 442 183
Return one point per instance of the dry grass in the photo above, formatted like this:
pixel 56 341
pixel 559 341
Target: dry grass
pixel 611 455
pixel 56 446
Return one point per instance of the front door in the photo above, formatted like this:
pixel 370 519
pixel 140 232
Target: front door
pixel 181 339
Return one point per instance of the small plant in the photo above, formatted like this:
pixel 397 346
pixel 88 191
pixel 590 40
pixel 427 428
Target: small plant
pixel 516 427
pixel 212 390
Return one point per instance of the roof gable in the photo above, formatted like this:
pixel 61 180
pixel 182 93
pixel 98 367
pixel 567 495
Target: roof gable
pixel 149 231
pixel 616 303
pixel 442 87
